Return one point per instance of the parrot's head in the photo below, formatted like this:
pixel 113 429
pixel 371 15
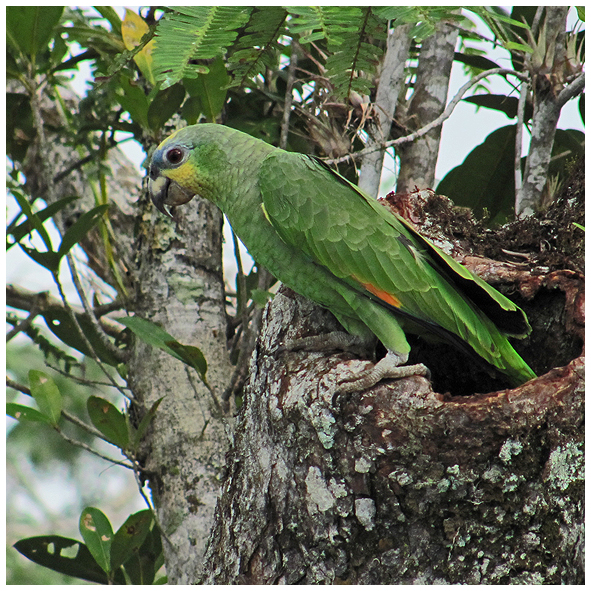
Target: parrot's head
pixel 181 167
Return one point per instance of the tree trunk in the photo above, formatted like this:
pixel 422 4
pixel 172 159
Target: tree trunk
pixel 180 287
pixel 547 82
pixel 389 87
pixel 400 484
pixel 418 159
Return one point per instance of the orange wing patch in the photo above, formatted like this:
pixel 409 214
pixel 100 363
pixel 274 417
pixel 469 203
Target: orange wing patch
pixel 380 293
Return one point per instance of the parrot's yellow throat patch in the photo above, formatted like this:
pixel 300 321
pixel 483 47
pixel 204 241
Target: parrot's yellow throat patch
pixel 184 175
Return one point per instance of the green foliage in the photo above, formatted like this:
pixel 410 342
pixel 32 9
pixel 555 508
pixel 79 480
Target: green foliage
pixel 46 394
pixel 108 420
pixel 194 33
pixel 485 180
pixel 156 336
pixel 257 48
pixel 30 28
pixel 132 555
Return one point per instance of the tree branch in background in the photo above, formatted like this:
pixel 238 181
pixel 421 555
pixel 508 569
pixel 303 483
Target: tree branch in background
pixel 427 128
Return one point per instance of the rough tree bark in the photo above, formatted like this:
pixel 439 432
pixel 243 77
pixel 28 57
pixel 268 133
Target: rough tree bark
pixel 419 158
pixel 401 484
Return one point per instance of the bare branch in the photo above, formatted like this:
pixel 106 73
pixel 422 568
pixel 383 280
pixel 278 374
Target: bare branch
pixel 573 89
pixel 445 115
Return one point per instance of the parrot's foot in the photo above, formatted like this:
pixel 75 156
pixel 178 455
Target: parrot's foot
pixel 331 341
pixel 390 367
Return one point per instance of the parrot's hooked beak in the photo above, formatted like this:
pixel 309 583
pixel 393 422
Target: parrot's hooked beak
pixel 166 193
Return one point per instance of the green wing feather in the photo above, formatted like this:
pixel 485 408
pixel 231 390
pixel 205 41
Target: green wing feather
pixel 364 245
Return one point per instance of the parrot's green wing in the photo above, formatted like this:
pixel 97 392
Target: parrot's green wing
pixel 378 254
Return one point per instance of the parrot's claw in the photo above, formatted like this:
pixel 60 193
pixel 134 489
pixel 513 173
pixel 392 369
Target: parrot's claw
pixel 332 341
pixel 387 368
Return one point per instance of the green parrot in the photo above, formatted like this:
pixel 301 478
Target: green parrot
pixel 324 238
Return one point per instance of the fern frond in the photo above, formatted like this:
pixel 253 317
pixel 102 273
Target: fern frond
pixel 258 48
pixel 191 33
pixel 333 23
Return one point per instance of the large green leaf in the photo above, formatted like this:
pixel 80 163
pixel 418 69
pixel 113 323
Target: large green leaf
pixel 210 89
pixel 46 394
pixel 501 102
pixel 108 420
pixel 154 335
pixel 55 552
pixel 97 532
pixel 165 104
pixel 485 179
pixel 29 28
pixel 141 566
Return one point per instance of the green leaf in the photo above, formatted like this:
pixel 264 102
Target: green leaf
pixel 191 356
pixel 165 104
pixel 511 45
pixel 581 12
pixel 49 260
pixel 67 556
pixel 46 394
pixel 108 420
pixel 485 179
pixel 33 219
pixel 194 33
pixel 111 15
pixel 142 566
pixel 97 532
pixel 29 28
pixel 501 102
pixel 211 89
pixel 26 227
pixel 145 423
pixel 60 324
pixel 80 228
pixel 23 413
pixel 260 297
pixel 130 536
pixel 475 61
pixel 134 101
pixel 154 335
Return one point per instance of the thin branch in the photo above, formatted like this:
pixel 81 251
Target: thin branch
pixel 81 334
pixel 573 89
pixel 117 353
pixel 24 324
pixel 437 122
pixel 76 421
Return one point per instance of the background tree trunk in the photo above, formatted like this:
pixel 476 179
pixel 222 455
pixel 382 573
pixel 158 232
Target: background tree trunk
pixel 400 484
pixel 419 158
pixel 389 88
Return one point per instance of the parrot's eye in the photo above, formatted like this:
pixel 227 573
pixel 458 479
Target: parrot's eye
pixel 174 155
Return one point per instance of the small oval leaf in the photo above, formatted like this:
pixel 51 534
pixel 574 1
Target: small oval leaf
pixel 23 413
pixel 97 532
pixel 108 420
pixel 46 394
